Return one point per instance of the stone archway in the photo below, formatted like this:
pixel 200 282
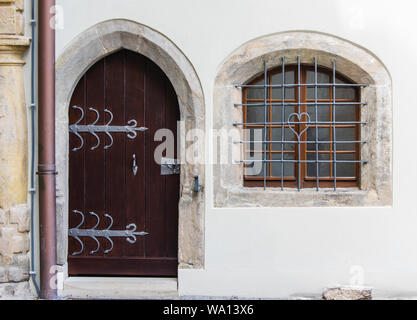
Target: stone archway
pixel 89 47
pixel 353 61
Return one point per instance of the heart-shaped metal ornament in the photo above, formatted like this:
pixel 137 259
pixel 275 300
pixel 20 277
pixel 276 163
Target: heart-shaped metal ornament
pixel 299 117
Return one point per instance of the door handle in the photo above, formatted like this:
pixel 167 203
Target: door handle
pixel 134 166
pixel 197 187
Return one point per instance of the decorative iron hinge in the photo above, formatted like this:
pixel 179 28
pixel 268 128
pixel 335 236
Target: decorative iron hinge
pixel 131 129
pixel 130 233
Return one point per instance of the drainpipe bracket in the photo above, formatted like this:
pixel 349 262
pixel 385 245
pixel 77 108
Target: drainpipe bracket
pixel 47 173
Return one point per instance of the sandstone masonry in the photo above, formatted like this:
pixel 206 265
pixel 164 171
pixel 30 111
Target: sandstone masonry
pixel 14 211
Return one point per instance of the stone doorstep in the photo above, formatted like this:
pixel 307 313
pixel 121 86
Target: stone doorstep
pixel 120 288
pixel 348 293
pixel 17 291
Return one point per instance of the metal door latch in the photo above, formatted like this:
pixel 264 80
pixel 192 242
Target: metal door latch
pixel 197 187
pixel 134 166
pixel 170 167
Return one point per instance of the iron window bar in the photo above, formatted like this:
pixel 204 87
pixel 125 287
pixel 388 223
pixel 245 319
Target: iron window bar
pixel 317 129
pixel 310 85
pixel 334 128
pixel 266 119
pixel 282 127
pixel 306 161
pixel 335 103
pixel 288 104
pixel 299 119
pixel 288 123
pixel 305 142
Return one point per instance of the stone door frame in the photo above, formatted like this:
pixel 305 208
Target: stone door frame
pixel 83 52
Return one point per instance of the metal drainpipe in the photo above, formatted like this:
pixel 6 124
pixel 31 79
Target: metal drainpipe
pixel 32 189
pixel 46 166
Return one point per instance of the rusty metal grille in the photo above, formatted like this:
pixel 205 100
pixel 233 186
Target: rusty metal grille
pixel 300 125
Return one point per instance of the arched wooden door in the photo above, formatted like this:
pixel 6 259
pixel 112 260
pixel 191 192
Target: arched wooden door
pixel 115 184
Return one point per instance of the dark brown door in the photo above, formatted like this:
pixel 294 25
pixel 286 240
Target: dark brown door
pixel 114 181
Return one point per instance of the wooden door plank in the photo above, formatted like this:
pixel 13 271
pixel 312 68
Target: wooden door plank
pixel 135 185
pixel 76 165
pixel 94 159
pixel 155 182
pixel 172 194
pixel 127 266
pixel 115 156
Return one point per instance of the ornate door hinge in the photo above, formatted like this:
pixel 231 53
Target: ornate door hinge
pixel 75 128
pixel 130 233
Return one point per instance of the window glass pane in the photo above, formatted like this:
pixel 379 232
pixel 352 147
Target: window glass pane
pixel 322 92
pixel 345 147
pixel 324 135
pixel 289 79
pixel 277 113
pixel 256 114
pixel 344 92
pixel 255 168
pixel 256 93
pixel 276 167
pixel 345 134
pixel 255 151
pixel 255 135
pixel 323 112
pixel 345 170
pixel 345 112
pixel 324 168
pixel 277 136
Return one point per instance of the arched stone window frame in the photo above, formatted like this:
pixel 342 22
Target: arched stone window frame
pixel 83 52
pixel 352 61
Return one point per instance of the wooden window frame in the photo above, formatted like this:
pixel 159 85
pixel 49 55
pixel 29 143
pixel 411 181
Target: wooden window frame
pixel 306 181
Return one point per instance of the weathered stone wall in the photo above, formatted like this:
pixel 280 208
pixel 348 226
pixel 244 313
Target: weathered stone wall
pixel 11 17
pixel 14 212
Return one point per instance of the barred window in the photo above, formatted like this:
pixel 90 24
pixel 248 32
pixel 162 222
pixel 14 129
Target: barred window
pixel 303 128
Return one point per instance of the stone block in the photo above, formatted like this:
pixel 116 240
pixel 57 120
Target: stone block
pixel 19 215
pixel 13 122
pixel 348 293
pixel 3 275
pixel 3 217
pixel 20 24
pixel 17 274
pixel 19 5
pixel 7 20
pixel 20 243
pixel 6 242
pixel 19 290
pixel 21 261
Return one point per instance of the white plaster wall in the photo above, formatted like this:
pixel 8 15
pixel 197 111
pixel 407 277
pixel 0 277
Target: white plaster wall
pixel 291 252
